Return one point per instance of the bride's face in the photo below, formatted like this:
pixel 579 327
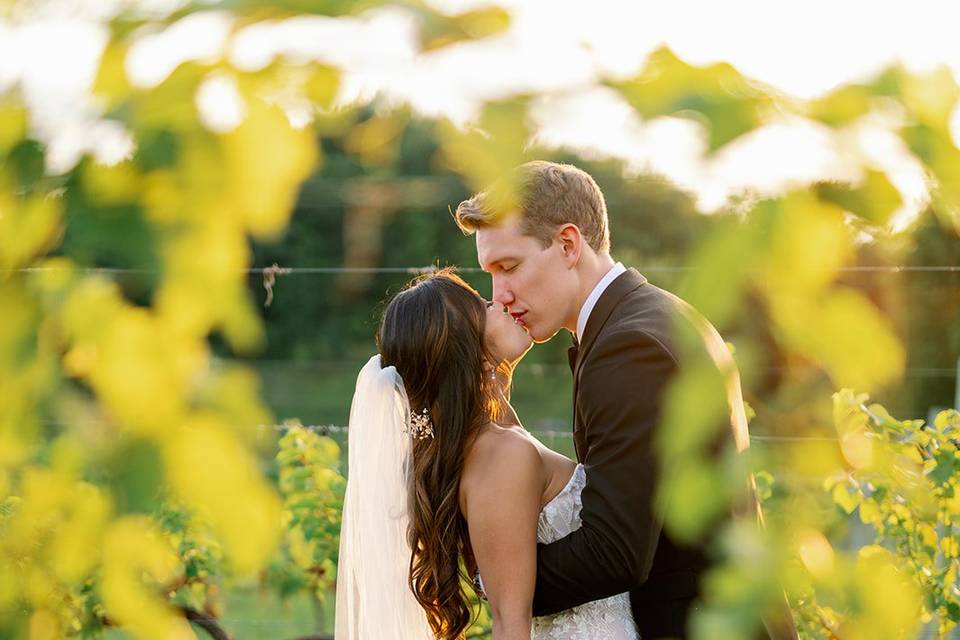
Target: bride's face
pixel 505 338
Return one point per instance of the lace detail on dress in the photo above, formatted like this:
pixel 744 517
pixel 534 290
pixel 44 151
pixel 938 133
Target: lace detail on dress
pixel 607 619
pixel 561 516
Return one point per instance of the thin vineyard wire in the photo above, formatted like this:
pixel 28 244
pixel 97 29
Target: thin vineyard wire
pixel 413 270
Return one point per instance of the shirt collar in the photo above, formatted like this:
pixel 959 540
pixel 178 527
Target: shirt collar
pixel 591 300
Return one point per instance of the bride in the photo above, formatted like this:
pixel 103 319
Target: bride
pixel 443 481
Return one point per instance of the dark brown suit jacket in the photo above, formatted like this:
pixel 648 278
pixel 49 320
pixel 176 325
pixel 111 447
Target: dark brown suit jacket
pixel 621 369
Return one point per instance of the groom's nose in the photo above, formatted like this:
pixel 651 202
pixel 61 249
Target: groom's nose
pixel 501 292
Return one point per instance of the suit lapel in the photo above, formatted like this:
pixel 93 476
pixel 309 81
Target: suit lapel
pixel 625 283
pixel 612 295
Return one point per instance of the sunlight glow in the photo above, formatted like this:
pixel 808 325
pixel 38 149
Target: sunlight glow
pixel 555 49
pixel 816 553
pixel 199 36
pixel 219 103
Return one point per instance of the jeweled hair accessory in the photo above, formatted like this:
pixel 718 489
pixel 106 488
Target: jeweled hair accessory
pixel 421 426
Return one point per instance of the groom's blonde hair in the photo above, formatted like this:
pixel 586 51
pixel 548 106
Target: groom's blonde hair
pixel 547 195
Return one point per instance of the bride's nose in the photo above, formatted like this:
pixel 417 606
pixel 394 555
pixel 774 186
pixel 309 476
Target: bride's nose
pixel 493 304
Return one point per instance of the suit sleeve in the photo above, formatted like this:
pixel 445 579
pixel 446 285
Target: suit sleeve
pixel 619 400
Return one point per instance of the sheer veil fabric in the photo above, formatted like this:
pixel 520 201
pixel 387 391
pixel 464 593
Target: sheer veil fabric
pixel 374 599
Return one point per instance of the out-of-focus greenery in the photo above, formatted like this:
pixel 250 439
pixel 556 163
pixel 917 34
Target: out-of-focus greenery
pixel 900 478
pixel 784 255
pixel 111 395
pixel 312 490
pixel 903 481
pixel 136 482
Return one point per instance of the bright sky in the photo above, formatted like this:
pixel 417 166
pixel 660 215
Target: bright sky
pixel 557 47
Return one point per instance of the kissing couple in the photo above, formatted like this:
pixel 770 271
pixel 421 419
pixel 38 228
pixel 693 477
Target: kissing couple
pixel 447 492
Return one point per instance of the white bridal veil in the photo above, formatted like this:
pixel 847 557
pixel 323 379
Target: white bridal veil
pixel 374 600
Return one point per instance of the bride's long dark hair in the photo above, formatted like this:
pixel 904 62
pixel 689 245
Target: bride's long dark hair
pixel 432 332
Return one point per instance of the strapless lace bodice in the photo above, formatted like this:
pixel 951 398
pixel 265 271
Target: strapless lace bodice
pixel 561 516
pixel 607 619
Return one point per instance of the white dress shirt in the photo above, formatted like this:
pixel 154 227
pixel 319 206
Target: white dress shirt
pixel 591 300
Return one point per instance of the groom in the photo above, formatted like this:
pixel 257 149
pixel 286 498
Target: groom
pixel 546 245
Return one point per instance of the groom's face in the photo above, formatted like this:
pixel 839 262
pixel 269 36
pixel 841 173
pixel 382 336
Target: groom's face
pixel 533 282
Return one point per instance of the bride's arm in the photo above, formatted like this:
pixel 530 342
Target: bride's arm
pixel 502 504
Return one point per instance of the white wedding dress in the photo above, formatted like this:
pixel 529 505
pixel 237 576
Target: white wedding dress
pixel 607 619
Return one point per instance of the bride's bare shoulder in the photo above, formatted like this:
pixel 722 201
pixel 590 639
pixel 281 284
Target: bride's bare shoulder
pixel 501 454
pixel 492 441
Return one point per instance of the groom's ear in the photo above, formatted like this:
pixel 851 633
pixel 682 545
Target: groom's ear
pixel 571 243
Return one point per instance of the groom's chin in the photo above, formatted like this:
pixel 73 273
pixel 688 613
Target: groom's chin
pixel 540 339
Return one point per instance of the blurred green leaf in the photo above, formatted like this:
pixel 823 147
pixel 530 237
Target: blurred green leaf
pixel 489 153
pixel 157 149
pixel 717 293
pixel 849 336
pixel 947 420
pixel 846 496
pixel 730 104
pixel 937 150
pixel 26 162
pixel 262 9
pixel 438 30
pixel 689 427
pixel 29 227
pixel 13 124
pixel 930 97
pixel 694 500
pixel 322 85
pixel 805 242
pixel 135 471
pixel 765 481
pixel 841 106
pixel 947 464
pixel 875 198
pixel 111 84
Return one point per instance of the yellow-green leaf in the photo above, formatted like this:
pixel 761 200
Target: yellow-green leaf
pixel 875 198
pixel 438 30
pixel 731 104
pixel 490 152
pixel 842 106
